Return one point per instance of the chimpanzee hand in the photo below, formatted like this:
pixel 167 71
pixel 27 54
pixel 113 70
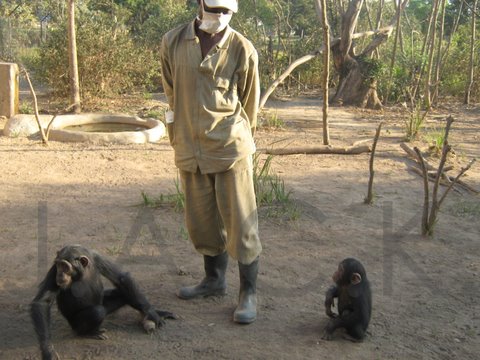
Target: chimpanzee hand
pixel 329 304
pixel 152 315
pixel 49 353
pixel 155 318
pixel 328 332
pixel 326 336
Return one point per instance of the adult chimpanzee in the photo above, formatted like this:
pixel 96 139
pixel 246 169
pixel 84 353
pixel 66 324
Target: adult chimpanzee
pixel 354 300
pixel 75 281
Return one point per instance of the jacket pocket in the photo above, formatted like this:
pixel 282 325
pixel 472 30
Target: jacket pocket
pixel 225 94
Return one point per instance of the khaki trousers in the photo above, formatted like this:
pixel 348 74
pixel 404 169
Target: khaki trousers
pixel 221 212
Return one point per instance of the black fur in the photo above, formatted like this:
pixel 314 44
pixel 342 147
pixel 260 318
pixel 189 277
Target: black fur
pixel 354 300
pixel 75 282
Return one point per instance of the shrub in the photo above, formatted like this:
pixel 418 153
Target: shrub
pixel 109 61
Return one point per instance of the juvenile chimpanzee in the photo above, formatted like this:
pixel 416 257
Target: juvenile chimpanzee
pixel 75 281
pixel 354 300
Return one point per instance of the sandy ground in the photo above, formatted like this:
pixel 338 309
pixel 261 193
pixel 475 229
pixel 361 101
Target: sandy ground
pixel 425 291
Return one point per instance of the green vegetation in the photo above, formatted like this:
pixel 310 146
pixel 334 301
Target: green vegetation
pixel 271 192
pixel 25 108
pixel 414 122
pixel 272 121
pixel 269 189
pixel 176 200
pixel 435 138
pixel 118 43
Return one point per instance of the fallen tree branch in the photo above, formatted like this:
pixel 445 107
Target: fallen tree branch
pixel 413 155
pixel 327 149
pixel 462 171
pixel 468 187
pixel 446 180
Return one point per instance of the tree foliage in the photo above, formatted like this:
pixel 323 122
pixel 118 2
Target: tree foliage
pixel 120 39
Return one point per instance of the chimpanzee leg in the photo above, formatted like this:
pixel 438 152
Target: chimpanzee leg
pixel 356 332
pixel 113 300
pixel 88 321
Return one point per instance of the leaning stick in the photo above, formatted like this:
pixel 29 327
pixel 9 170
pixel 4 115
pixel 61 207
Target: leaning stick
pixel 426 200
pixel 463 171
pixel 445 150
pixel 35 106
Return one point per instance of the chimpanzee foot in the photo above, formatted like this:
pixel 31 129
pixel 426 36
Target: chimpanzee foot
pixel 99 334
pixel 327 336
pixel 352 339
pixel 167 315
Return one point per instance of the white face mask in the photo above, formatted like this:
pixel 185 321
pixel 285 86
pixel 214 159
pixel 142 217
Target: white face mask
pixel 213 23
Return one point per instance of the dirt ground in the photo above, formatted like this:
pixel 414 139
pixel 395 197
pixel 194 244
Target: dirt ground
pixel 425 291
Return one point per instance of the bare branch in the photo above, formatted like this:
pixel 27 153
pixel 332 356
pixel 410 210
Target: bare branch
pixel 387 30
pixel 35 106
pixel 352 13
pixel 462 172
pixel 369 198
pixel 426 200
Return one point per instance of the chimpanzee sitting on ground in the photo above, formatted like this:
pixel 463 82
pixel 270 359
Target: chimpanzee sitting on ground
pixel 354 300
pixel 75 281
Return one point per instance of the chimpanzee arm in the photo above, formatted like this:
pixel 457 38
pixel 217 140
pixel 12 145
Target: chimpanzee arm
pixel 348 319
pixel 332 293
pixel 40 312
pixel 127 286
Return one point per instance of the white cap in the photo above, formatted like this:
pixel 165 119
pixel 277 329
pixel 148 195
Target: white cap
pixel 227 4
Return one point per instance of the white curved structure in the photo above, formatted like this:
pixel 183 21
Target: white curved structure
pixel 154 129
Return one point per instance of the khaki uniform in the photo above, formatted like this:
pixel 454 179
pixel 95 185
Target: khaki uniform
pixel 215 102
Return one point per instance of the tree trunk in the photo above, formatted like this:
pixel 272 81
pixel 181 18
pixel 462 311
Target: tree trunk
pixel 394 55
pixel 356 87
pixel 353 88
pixel 472 56
pixel 321 7
pixel 72 57
pixel 428 74
pixel 438 63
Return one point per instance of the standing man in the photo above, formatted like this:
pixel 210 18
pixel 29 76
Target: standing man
pixel 210 77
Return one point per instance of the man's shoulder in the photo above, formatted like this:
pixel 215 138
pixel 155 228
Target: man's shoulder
pixel 176 32
pixel 242 41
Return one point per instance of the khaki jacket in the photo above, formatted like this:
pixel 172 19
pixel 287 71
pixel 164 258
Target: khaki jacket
pixel 214 100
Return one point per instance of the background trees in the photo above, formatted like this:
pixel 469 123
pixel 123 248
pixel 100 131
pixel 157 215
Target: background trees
pixel 430 55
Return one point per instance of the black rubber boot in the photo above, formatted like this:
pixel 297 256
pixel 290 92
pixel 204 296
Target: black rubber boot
pixel 214 281
pixel 246 311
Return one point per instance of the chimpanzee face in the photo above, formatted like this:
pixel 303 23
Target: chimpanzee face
pixel 338 275
pixel 69 271
pixel 349 272
pixel 65 273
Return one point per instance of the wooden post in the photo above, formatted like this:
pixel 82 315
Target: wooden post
pixel 73 62
pixel 8 89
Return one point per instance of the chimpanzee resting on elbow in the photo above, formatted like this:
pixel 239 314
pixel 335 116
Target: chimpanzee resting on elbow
pixel 75 282
pixel 354 300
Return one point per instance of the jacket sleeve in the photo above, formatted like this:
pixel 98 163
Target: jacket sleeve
pixel 167 77
pixel 249 90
